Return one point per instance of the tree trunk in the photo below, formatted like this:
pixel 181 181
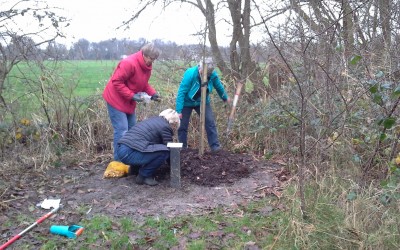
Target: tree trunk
pixel 348 29
pixel 212 36
pixel 384 13
pixel 235 11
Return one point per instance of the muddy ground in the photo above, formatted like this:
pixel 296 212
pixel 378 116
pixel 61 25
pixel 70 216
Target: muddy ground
pixel 220 179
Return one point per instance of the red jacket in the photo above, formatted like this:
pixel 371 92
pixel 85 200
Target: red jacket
pixel 130 77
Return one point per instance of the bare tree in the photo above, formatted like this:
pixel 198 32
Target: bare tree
pixel 342 56
pixel 242 64
pixel 17 44
pixel 355 22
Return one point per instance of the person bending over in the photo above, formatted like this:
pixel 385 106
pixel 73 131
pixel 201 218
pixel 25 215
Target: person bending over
pixel 144 146
pixel 121 92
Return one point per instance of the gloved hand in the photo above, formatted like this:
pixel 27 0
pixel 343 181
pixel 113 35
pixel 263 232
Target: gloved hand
pixel 228 101
pixel 137 97
pixel 156 97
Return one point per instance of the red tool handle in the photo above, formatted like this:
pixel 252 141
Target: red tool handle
pixel 16 237
pixel 40 220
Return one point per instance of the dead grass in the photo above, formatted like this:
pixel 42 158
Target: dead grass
pixel 338 220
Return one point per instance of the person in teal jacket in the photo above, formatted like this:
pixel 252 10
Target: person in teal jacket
pixel 189 98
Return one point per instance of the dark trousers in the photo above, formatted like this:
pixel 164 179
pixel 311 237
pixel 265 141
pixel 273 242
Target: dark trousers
pixel 148 162
pixel 211 128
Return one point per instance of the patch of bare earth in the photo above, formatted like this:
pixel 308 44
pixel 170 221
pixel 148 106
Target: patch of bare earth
pixel 219 179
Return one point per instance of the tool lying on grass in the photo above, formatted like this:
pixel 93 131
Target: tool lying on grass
pixel 69 231
pixel 40 220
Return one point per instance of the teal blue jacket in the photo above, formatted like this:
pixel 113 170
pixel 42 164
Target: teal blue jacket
pixel 191 84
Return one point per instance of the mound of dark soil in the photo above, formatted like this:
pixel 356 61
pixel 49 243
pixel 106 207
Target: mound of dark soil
pixel 213 169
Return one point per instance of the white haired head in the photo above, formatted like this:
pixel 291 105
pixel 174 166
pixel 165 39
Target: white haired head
pixel 171 116
pixel 208 61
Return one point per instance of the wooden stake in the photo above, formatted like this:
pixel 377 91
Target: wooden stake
pixel 203 107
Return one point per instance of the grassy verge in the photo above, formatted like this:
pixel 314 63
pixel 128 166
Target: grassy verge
pixel 340 216
pixel 220 229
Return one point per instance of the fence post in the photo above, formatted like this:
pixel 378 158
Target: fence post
pixel 175 162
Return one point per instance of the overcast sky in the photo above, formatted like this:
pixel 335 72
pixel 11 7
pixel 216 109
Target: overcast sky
pixel 96 20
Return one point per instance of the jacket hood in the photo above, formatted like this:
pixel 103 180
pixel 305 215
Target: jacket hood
pixel 142 63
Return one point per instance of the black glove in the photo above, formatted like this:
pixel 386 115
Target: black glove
pixel 137 98
pixel 156 97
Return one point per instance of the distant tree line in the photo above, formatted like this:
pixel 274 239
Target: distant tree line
pixel 112 49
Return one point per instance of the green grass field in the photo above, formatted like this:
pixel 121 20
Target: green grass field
pixel 90 75
pixel 85 76
pixel 29 87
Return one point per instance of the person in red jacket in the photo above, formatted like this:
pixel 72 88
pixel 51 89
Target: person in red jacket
pixel 122 91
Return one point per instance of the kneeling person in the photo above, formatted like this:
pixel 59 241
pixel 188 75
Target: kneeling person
pixel 145 145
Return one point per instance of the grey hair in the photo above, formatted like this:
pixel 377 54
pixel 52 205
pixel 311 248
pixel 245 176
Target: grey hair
pixel 151 50
pixel 171 116
pixel 210 64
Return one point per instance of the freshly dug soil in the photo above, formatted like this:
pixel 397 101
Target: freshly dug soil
pixel 213 169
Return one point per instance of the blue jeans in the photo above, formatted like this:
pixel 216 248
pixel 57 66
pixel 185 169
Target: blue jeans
pixel 211 128
pixel 148 162
pixel 121 123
